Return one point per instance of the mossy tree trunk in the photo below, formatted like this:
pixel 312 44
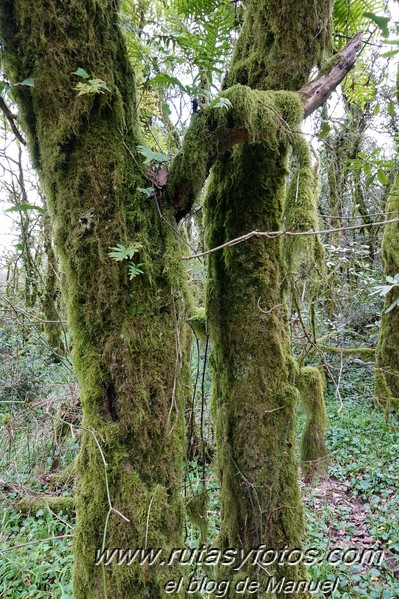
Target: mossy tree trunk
pixel 314 453
pixel 386 390
pixel 126 334
pixel 255 395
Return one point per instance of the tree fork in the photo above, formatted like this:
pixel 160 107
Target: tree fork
pixel 207 140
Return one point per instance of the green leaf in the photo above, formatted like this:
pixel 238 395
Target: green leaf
pixel 166 108
pixel 151 156
pixel 94 86
pixel 81 73
pixel 162 80
pixel 390 53
pixel 381 290
pixel 221 102
pixel 381 22
pixel 119 252
pixel 392 306
pixel 375 572
pixel 30 82
pixel 367 169
pixel 25 207
pixel 391 109
pixel 377 109
pixel 382 177
pixel 326 128
pixel 147 191
pixel 20 247
pixel 134 270
pixel 133 249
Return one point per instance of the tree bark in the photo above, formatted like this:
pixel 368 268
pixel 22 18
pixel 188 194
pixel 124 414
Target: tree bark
pixel 127 335
pixel 255 394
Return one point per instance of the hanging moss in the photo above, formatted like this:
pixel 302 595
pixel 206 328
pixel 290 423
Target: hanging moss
pixel 197 511
pixel 300 212
pixel 386 389
pixel 128 336
pixel 314 453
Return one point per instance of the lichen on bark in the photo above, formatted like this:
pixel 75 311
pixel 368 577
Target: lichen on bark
pixel 127 335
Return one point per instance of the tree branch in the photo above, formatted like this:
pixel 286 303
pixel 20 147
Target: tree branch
pixel 11 119
pixel 275 234
pixel 315 93
pixel 254 115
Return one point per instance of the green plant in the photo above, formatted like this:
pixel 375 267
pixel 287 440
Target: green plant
pixel 92 86
pixel 120 252
pixel 153 158
pixel 383 290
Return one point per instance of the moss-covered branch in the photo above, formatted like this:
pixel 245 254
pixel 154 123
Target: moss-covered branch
pixel 363 352
pixel 213 131
pixel 253 116
pixel 30 505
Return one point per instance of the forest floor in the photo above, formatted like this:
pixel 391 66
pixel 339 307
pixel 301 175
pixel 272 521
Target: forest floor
pixel 355 506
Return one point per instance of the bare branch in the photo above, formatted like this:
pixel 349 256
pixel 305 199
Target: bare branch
pixel 316 92
pixel 275 234
pixel 11 119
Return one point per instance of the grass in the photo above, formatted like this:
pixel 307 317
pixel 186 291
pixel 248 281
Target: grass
pixel 356 506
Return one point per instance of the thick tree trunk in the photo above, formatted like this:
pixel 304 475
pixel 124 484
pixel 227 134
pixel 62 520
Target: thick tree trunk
pixel 255 395
pixel 126 334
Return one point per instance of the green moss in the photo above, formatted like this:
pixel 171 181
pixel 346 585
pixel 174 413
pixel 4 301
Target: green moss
pixel 386 389
pixel 366 353
pixel 300 213
pixel 197 511
pixel 254 398
pixel 314 453
pixel 131 367
pixel 254 395
pixel 198 322
pixel 280 43
pixel 263 116
pixel 58 505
